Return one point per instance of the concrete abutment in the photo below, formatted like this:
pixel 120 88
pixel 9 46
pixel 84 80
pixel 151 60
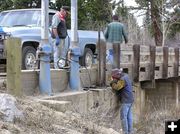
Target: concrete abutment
pixel 159 92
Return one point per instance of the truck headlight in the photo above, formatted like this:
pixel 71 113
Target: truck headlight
pixel 4 36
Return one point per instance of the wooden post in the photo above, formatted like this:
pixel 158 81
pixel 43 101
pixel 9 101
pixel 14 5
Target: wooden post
pixel 152 61
pixel 101 63
pixel 177 93
pixel 116 55
pixel 136 55
pixel 176 62
pixel 13 48
pixel 165 62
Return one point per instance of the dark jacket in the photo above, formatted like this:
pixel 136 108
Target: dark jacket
pixel 126 94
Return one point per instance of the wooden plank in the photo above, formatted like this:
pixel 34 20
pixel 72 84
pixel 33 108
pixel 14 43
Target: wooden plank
pixel 102 63
pixel 116 55
pixel 13 48
pixel 177 93
pixel 128 68
pixel 144 71
pixel 170 70
pixel 126 47
pixel 136 55
pixel 176 62
pixel 165 62
pixel 158 70
pixel 144 49
pixel 171 50
pixel 152 61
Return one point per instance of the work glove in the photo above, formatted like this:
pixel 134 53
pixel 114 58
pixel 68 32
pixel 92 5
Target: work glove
pixel 117 84
pixel 57 41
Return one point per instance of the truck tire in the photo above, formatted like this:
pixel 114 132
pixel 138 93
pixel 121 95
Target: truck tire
pixel 28 58
pixel 87 58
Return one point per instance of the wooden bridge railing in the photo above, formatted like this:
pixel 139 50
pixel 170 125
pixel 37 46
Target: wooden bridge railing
pixel 145 63
pixel 150 62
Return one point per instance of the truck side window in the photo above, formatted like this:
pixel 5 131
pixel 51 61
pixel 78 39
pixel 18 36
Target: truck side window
pixel 50 18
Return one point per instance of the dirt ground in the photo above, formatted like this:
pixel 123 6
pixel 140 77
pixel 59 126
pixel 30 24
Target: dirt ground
pixel 39 119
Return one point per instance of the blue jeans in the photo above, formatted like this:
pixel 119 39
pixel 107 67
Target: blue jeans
pixel 109 56
pixel 60 51
pixel 126 117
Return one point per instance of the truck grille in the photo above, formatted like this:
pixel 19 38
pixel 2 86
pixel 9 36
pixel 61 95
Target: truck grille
pixel 3 36
pixel 2 53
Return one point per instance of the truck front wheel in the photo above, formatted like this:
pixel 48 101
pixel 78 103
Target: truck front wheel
pixel 28 57
pixel 88 58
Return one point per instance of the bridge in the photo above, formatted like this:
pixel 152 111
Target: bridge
pixel 153 70
pixel 144 63
pixel 150 62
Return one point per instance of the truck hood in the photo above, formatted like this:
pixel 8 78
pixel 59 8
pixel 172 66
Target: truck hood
pixel 87 34
pixel 26 33
pixel 19 31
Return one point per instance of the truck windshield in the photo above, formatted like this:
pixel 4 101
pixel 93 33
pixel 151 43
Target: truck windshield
pixel 20 18
pixel 2 15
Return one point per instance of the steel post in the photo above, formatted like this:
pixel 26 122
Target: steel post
pixel 74 70
pixel 44 51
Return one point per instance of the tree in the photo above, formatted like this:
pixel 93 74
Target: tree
pixel 6 4
pixel 19 4
pixel 153 19
pixel 174 27
pixel 91 13
pixel 60 3
pixel 172 19
pixel 156 22
pixel 128 20
pixel 159 19
pixel 98 12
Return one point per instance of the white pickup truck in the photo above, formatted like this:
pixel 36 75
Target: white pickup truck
pixel 26 25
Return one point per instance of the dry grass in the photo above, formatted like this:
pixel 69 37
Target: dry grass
pixel 153 120
pixel 39 119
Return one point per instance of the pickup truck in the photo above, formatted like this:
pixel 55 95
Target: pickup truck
pixel 26 25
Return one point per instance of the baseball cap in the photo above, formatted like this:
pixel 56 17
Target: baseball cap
pixel 66 8
pixel 116 72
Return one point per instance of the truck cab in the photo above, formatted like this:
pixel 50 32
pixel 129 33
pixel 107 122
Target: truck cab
pixel 26 25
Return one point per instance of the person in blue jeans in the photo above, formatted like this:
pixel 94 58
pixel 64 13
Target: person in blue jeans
pixel 122 85
pixel 114 33
pixel 59 33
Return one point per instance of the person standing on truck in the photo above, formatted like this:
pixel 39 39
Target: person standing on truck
pixel 59 33
pixel 114 33
pixel 122 86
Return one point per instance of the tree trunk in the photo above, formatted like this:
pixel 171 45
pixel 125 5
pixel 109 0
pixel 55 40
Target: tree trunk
pixel 155 17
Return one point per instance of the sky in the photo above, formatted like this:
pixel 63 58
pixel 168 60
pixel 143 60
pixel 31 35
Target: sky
pixel 130 2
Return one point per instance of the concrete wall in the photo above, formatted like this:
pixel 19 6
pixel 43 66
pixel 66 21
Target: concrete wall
pixel 30 81
pixel 164 91
pixel 59 80
pixel 103 99
pixel 99 104
pixel 139 102
pixel 164 94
